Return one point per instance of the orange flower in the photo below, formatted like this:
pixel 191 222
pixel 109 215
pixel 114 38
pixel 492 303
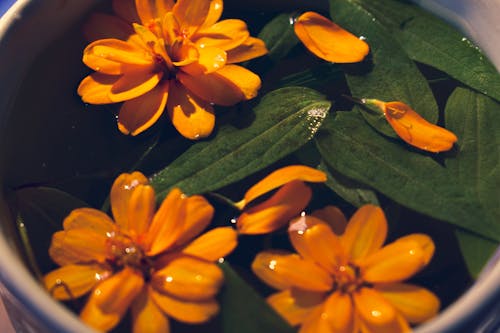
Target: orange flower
pixel 157 55
pixel 145 260
pixel 414 129
pixel 291 198
pixel 348 283
pixel 329 41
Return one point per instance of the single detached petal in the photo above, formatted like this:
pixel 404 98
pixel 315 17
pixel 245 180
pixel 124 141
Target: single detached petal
pixel 72 281
pixel 189 279
pixel 150 10
pixel 272 214
pixel 193 117
pixel 139 114
pixel 91 219
pixel 283 176
pixel 147 316
pixel 121 191
pixel 282 271
pixel 414 129
pixel 251 48
pixel 340 313
pixel 227 86
pixel 394 262
pixel 214 244
pixel 96 88
pixel 426 243
pixel 186 311
pixel 329 41
pixel 415 303
pixel 314 240
pixel 374 309
pixel 295 305
pixel 168 223
pixel 225 35
pixel 366 232
pixel 111 298
pixel 199 213
pixel 333 216
pixel 130 86
pixel 102 26
pixel 78 246
pixel 191 14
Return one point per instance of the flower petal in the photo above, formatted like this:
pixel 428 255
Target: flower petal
pixel 272 214
pixel 189 279
pixel 214 244
pixel 314 240
pixel 329 41
pixel 72 281
pixel 339 311
pixel 426 243
pixel 191 14
pixel 102 26
pixel 199 213
pixel 210 59
pixel 394 262
pixel 283 176
pixel 214 13
pixel 95 88
pixel 91 219
pixel 294 305
pixel 316 322
pixel 133 85
pixel 121 191
pixel 78 246
pixel 227 86
pixel 334 217
pixel 415 303
pixel 186 311
pixel 283 270
pixel 225 35
pixel 111 298
pixel 192 117
pixel 141 209
pixel 374 309
pixel 366 232
pixel 251 48
pixel 150 10
pixel 147 316
pixel 139 114
pixel 167 224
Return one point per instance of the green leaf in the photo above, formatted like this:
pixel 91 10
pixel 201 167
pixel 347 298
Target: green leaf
pixel 315 77
pixel 284 120
pixel 245 311
pixel 279 36
pixel 351 191
pixel 476 250
pixel 429 40
pixel 416 180
pixel 393 76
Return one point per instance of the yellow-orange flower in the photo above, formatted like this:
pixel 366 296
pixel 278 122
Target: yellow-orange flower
pixel 414 129
pixel 348 283
pixel 146 260
pixel 289 200
pixel 329 41
pixel 157 55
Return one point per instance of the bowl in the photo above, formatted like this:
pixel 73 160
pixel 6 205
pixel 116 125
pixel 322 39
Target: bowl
pixel 30 25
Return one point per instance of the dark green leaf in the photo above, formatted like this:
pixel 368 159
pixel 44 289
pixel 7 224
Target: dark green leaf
pixel 412 179
pixel 315 77
pixel 350 190
pixel 393 76
pixel 245 311
pixel 430 40
pixel 476 250
pixel 284 120
pixel 279 36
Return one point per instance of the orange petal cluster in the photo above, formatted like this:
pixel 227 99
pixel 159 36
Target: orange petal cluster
pixel 154 56
pixel 151 261
pixel 348 282
pixel 328 41
pixel 288 201
pixel 413 129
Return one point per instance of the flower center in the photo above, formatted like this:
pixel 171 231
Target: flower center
pixel 348 278
pixel 123 251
